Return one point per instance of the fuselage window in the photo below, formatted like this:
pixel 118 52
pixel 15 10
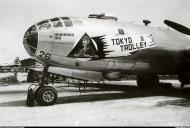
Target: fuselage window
pixel 44 25
pixel 121 31
pixel 68 23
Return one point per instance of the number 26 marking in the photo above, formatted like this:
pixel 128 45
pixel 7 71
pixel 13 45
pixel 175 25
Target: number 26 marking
pixel 44 55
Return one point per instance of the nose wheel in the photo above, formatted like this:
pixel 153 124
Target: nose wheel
pixel 46 95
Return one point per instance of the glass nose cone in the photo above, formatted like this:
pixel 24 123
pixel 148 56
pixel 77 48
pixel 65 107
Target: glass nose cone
pixel 31 40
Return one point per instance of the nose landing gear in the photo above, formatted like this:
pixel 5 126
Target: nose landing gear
pixel 44 95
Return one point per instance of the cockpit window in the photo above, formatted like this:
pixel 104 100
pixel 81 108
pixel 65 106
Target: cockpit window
pixel 44 25
pixel 65 18
pixel 43 22
pixel 68 23
pixel 54 19
pixel 56 22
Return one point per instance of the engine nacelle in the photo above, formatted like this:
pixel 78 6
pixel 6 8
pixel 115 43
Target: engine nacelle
pixel 112 75
pixel 77 74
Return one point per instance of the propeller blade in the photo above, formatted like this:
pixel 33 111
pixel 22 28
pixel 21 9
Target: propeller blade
pixel 177 27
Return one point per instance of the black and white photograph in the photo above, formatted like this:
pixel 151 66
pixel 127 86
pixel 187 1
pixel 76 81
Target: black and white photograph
pixel 94 63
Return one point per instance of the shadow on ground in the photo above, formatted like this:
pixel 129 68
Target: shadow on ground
pixel 13 92
pixel 126 92
pixel 131 92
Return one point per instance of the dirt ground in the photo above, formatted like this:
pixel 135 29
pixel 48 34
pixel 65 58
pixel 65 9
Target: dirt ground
pixel 112 104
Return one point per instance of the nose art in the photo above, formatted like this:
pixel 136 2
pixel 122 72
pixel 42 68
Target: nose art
pixel 31 40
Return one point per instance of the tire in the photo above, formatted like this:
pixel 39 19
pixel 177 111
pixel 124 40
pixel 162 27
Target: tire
pixel 147 81
pixel 46 96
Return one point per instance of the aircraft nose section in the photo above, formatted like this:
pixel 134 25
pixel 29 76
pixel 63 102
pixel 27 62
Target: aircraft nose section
pixel 31 40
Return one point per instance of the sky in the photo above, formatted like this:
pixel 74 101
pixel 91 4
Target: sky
pixel 16 16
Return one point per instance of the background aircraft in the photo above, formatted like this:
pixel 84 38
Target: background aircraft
pixel 7 77
pixel 101 48
pixel 10 67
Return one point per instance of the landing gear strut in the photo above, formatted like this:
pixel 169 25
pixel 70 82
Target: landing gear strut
pixel 44 95
pixel 147 81
pixel 182 85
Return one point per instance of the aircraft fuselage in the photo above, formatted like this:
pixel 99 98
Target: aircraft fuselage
pixel 106 46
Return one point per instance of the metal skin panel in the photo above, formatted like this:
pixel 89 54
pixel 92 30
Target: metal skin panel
pixel 78 74
pixel 163 58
